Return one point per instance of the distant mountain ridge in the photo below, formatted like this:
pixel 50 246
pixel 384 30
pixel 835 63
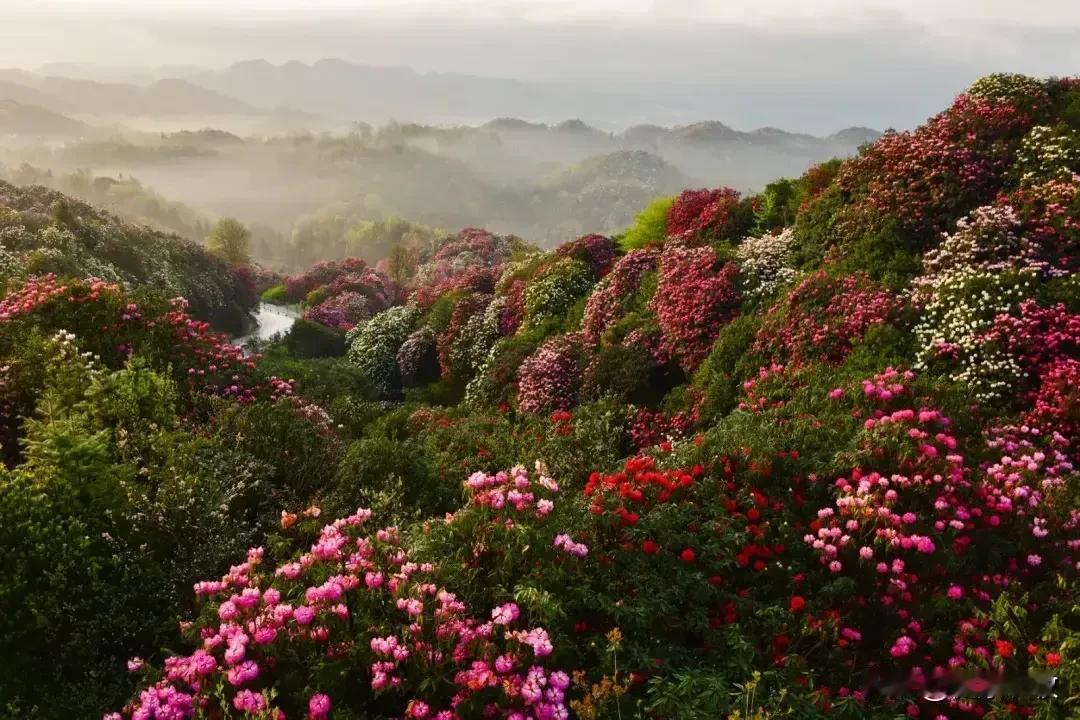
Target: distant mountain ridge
pixel 344 92
pixel 18 118
pixel 165 97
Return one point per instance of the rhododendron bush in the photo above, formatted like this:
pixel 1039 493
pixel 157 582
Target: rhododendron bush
pixel 694 299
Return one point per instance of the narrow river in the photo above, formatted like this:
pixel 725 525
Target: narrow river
pixel 269 321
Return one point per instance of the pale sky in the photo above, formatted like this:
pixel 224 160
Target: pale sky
pixel 870 62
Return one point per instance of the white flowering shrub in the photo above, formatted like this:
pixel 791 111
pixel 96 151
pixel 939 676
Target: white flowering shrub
pixel 988 240
pixel 766 263
pixel 556 290
pixel 374 345
pixel 1047 154
pixel 1006 87
pixel 961 310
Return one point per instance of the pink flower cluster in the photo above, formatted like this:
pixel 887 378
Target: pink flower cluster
pixel 550 378
pixel 513 490
pixel 821 317
pixel 426 630
pixel 608 300
pixel 694 299
pixel 702 214
pixel 915 520
pixel 38 291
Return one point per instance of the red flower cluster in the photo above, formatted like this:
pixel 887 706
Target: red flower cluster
pixel 694 300
pixel 649 428
pixel 640 484
pixel 821 317
pixel 702 215
pixel 927 178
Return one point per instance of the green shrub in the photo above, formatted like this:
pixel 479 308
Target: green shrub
pixel 621 371
pixel 650 226
pixel 276 295
pixel 307 339
pixel 316 296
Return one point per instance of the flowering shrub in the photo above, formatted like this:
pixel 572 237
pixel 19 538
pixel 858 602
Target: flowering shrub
pixel 266 633
pixel 374 345
pixel 988 240
pixel 649 428
pixel 470 259
pixel 1047 154
pixel 926 178
pixel 554 290
pixel 550 378
pixel 915 522
pixel 465 343
pixel 417 359
pixel 1050 215
pixel 703 215
pixel 596 251
pixel 342 293
pixel 693 301
pixel 820 317
pixel 765 262
pixel 342 311
pixel 613 296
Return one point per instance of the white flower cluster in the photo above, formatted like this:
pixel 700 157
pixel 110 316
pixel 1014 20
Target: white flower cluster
pixel 1048 154
pixel 988 240
pixel 556 290
pixel 373 345
pixel 962 308
pixel 475 339
pixel 1006 87
pixel 765 262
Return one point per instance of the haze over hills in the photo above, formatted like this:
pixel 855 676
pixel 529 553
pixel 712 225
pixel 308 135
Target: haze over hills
pixel 339 91
pixel 337 139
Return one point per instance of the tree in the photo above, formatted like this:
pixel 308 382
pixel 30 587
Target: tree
pixel 230 241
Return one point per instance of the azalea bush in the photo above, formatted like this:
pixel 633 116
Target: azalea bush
pixel 705 215
pixel 765 262
pixel 617 294
pixel 551 377
pixel 694 299
pixel 555 290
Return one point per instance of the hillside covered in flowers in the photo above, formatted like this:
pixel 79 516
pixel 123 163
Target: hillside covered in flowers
pixel 806 453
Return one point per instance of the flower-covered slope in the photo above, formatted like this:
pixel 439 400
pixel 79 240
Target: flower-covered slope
pixel 807 453
pixel 43 231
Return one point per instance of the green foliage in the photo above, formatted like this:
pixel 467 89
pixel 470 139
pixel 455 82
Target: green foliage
pixel 650 226
pixel 724 369
pixel 393 475
pixel 620 370
pixel 276 295
pixel 307 339
pixel 779 204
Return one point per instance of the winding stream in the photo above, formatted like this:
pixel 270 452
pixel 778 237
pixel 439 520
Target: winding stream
pixel 269 321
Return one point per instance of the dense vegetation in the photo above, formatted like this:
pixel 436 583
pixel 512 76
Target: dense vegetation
pixel 805 453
